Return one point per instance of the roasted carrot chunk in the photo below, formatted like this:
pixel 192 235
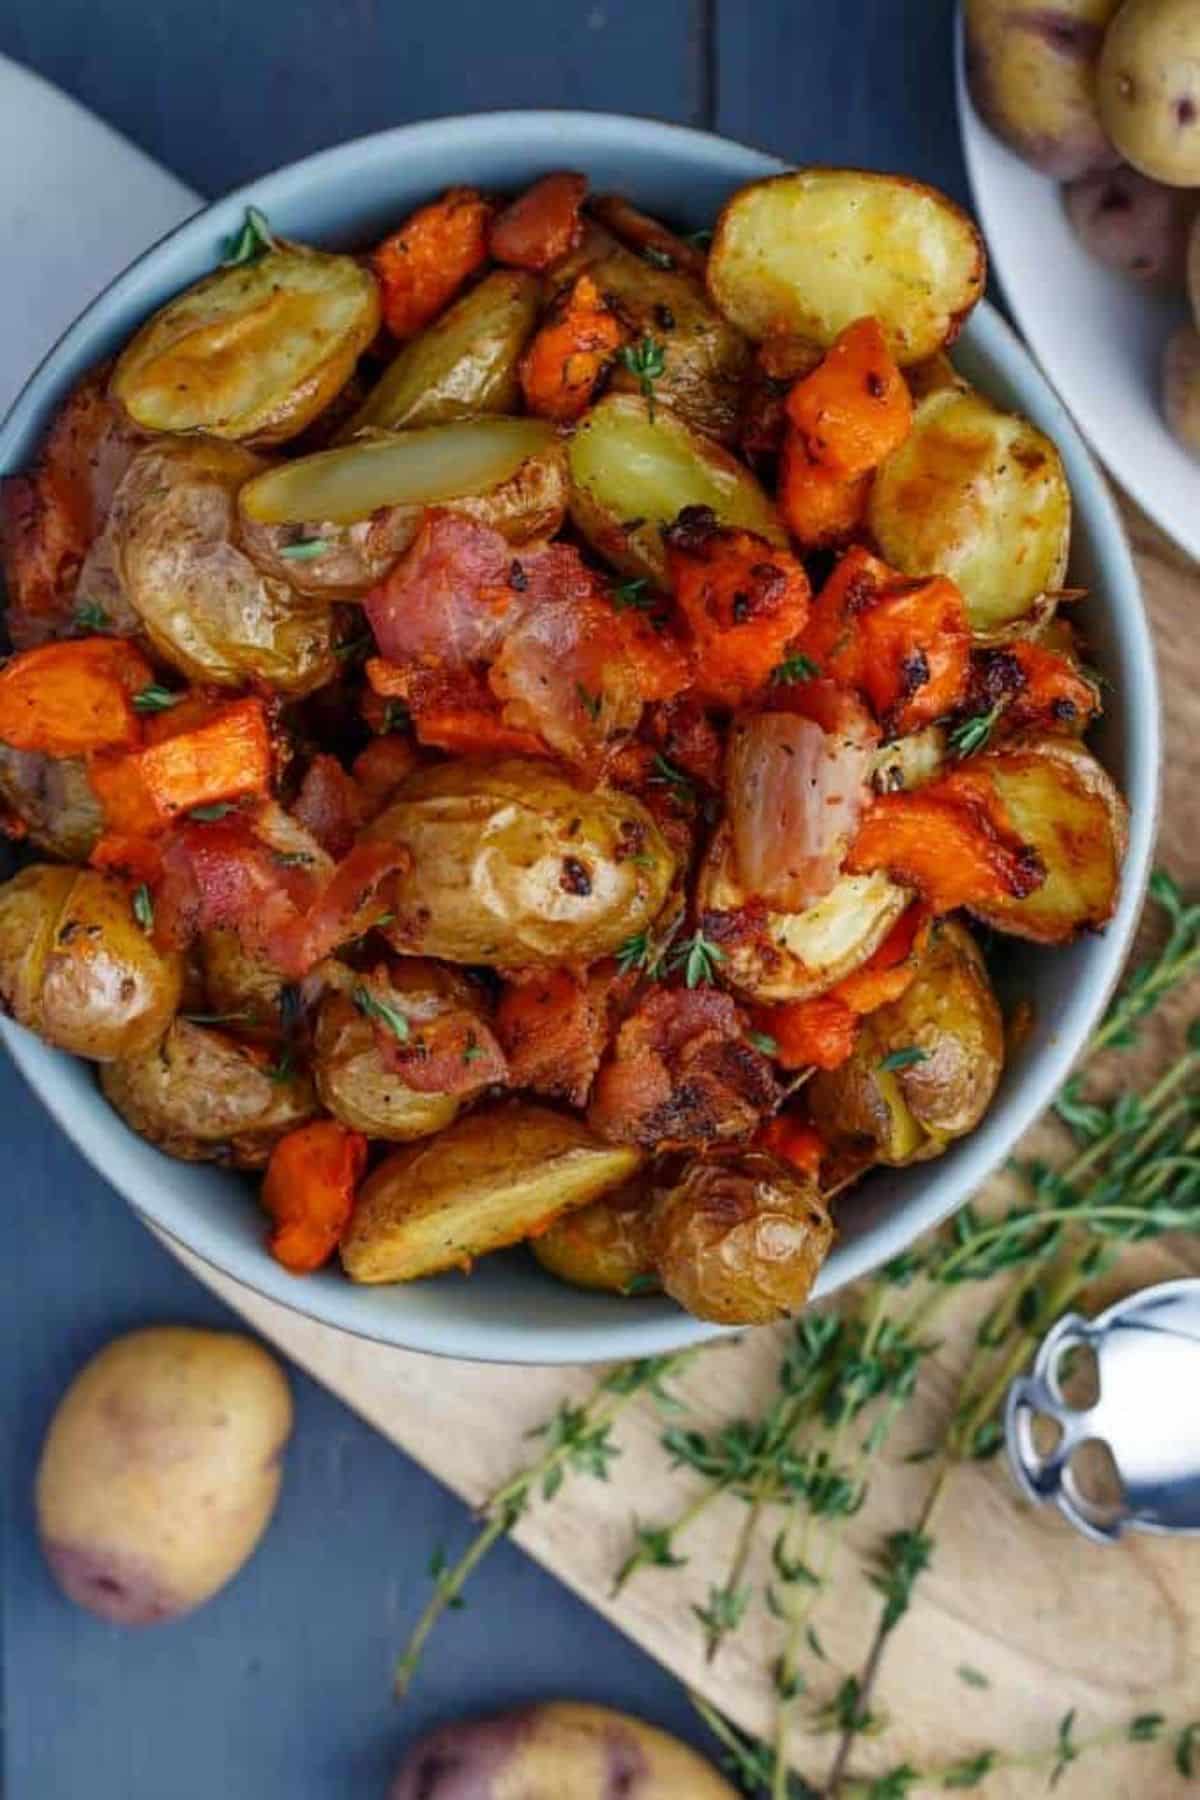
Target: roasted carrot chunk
pixel 422 266
pixel 309 1192
pixel 887 974
pixel 1032 688
pixel 567 357
pixel 144 792
pixel 794 1142
pixel 454 711
pixel 819 509
pixel 744 600
pixel 951 840
pixel 855 407
pixel 67 699
pixel 542 225
pixel 811 1034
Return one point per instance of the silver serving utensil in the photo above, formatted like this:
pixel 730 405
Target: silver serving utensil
pixel 1147 1413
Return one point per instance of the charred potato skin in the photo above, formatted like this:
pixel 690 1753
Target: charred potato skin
pixel 77 968
pixel 356 1086
pixel 486 884
pixel 1031 69
pixel 604 1246
pixel 201 1096
pixel 740 1237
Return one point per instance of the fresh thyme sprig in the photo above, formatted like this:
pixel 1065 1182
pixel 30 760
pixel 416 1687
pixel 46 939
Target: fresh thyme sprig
pixel 647 360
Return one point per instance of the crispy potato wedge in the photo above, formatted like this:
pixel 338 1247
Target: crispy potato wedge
pixel 808 253
pixel 980 495
pixel 462 365
pixel 797 955
pixel 253 352
pixel 507 473
pixel 490 1179
pixel 631 474
pixel 1062 802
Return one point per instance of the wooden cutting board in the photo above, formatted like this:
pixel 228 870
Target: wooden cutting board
pixel 1053 1622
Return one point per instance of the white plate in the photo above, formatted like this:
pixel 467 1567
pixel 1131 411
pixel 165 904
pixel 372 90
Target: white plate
pixel 1098 336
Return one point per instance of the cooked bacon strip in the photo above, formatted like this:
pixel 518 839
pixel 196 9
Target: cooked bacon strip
pixel 570 352
pixel 654 240
pixel 421 266
pixel 682 1072
pixel 431 1036
pixel 744 601
pixel 951 840
pixel 68 699
pixel 331 805
pixel 448 598
pixel 309 1192
pixel 542 225
pixel 384 764
pixel 563 674
pixel 555 1027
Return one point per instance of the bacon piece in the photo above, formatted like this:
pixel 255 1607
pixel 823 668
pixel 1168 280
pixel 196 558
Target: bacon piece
pixel 794 794
pixel 430 1029
pixel 448 598
pixel 331 805
pixel 542 225
pixel 563 674
pixel 689 739
pixel 555 1027
pixel 744 600
pixel 384 764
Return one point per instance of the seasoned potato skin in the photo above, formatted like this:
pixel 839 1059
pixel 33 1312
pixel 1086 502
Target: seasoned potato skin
pixel 202 603
pixel 604 1246
pixel 488 842
pixel 552 1751
pixel 160 1471
pixel 203 1097
pixel 53 798
pixel 1031 69
pixel 77 968
pixel 253 352
pixel 951 1015
pixel 740 1237
pixel 354 1082
pixel 247 988
pixel 1148 88
pixel 492 1178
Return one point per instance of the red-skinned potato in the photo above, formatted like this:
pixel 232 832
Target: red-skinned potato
pixel 1031 69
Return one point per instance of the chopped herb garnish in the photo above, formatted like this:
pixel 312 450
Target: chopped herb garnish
pixel 355 646
pixel 698 958
pixel 905 1058
pixel 225 1018
pixel 792 669
pixel 90 617
pixel 972 1677
pixel 143 907
pixel 292 859
pixel 667 775
pixel 206 815
pixel 396 716
pixel 642 1284
pixel 971 736
pixel 763 1041
pixel 284 1066
pixel 633 594
pixel 592 704
pixel 155 699
pixel 699 240
pixel 471 1050
pixel 373 1008
pixel 253 240
pixel 305 550
pixel 656 257
pixel 647 361
pixel 635 953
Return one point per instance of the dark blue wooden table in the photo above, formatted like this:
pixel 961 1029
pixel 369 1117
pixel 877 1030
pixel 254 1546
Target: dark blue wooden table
pixel 280 1687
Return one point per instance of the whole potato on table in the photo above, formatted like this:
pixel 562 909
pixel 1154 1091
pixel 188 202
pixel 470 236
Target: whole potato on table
pixel 564 1750
pixel 1148 88
pixel 1181 385
pixel 53 798
pixel 605 1246
pixel 160 1471
pixel 77 967
pixel 1031 69
pixel 1132 224
pixel 203 1097
pixel 514 866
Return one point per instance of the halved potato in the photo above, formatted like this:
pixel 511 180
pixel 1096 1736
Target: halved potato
pixel 252 352
pixel 488 1180
pixel 462 365
pixel 507 473
pixel 980 495
pixel 800 954
pixel 1061 801
pixel 909 762
pixel 808 253
pixel 631 474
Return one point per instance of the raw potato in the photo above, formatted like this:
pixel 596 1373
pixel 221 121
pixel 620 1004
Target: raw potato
pixel 1181 385
pixel 740 1238
pixel 909 1114
pixel 808 253
pixel 604 1246
pixel 203 1097
pixel 202 603
pixel 253 352
pixel 462 365
pixel 1063 803
pixel 510 474
pixel 77 968
pixel 490 1179
pixel 1031 68
pixel 1148 88
pixel 160 1471
pixel 352 1078
pixel 799 954
pixel 979 495
pixel 631 475
pixel 53 798
pixel 1133 225
pixel 561 1751
pixel 488 841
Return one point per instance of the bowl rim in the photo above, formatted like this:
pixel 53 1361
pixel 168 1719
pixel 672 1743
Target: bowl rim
pixel 653 1327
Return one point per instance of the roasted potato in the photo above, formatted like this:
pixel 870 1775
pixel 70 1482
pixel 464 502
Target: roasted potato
pixel 806 254
pixel 633 473
pixel 925 1066
pixel 77 968
pixel 253 352
pixel 980 495
pixel 796 955
pixel 606 1245
pixel 487 882
pixel 53 799
pixel 241 990
pixel 1148 88
pixel 203 1097
pixel 740 1237
pixel 1064 804
pixel 352 1078
pixel 462 365
pixel 909 762
pixel 1181 385
pixel 1031 69
pixel 490 1179
pixel 931 375
pixel 1133 225
pixel 202 603
pixel 563 1751
pixel 160 1471
pixel 507 473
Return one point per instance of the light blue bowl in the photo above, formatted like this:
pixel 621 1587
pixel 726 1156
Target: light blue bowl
pixel 508 1311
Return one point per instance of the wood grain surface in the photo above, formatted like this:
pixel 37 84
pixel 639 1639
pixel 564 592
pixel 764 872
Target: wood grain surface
pixel 1053 1622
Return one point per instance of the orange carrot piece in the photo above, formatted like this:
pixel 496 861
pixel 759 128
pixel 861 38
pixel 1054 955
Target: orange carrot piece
pixel 819 509
pixel 887 974
pixel 136 859
pixel 951 840
pixel 144 792
pixel 660 662
pixel 570 352
pixel 1038 689
pixel 422 265
pixel 744 600
pixel 309 1192
pixel 474 731
pixel 793 1142
pixel 855 407
pixel 542 225
pixel 811 1034
pixel 73 697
